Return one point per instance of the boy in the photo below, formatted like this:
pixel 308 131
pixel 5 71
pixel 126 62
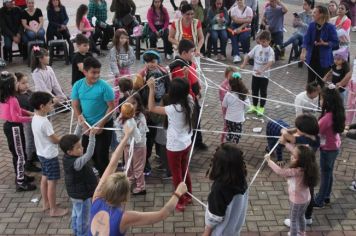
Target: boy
pixel 308 98
pixel 186 50
pixel 92 100
pixel 79 177
pixel 78 57
pixel 47 151
pixel 263 56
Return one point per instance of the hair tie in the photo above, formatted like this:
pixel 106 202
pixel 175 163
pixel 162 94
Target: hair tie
pixel 331 86
pixel 36 48
pixel 236 75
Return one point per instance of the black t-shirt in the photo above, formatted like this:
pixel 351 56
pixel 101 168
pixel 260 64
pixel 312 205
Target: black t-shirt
pixel 314 144
pixel 36 16
pixel 78 58
pixel 24 101
pixel 339 74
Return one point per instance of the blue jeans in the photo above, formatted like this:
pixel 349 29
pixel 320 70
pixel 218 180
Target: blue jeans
pixel 277 38
pixel 222 35
pixel 242 38
pixel 31 36
pixel 80 216
pixel 327 161
pixel 8 42
pixel 297 41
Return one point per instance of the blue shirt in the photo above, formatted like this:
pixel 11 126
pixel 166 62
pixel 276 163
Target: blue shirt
pixel 275 18
pixel 93 99
pixel 314 144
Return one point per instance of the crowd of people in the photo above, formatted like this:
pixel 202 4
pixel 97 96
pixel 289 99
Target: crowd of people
pixel 160 107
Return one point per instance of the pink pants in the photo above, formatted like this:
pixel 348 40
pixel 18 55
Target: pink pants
pixel 135 171
pixel 351 103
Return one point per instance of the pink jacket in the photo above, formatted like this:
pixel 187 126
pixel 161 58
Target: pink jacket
pixel 329 140
pixel 12 112
pixel 298 192
pixel 152 17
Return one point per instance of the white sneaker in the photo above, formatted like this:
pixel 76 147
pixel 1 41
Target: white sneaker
pixel 236 59
pixel 286 222
pixel 354 29
pixel 309 221
pixel 169 56
pixel 353 186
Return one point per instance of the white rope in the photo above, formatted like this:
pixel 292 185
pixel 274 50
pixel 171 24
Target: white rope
pixel 196 199
pixel 71 121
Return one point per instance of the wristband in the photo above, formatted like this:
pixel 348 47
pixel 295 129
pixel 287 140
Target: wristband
pixel 177 195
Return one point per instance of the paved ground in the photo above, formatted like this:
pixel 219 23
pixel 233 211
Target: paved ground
pixel 268 204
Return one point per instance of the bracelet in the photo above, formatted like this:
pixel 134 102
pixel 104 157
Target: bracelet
pixel 177 195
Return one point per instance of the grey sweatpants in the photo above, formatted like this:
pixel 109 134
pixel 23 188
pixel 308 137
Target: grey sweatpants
pixel 297 219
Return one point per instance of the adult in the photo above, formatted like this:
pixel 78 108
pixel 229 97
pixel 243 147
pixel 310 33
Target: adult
pixel 318 43
pixel 300 23
pixel 11 28
pixel 124 14
pixel 352 12
pixel 158 22
pixel 57 23
pixel 98 9
pixel 32 21
pixel 108 215
pixel 218 19
pixel 343 25
pixel 241 18
pixel 332 8
pixel 188 28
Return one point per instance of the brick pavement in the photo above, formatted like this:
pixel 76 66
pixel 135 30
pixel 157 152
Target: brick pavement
pixel 268 204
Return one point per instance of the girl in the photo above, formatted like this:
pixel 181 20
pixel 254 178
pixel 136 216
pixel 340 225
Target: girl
pixel 228 198
pixel 179 131
pixel 111 196
pixel 302 174
pixel 23 96
pixel 121 58
pixel 332 8
pixel 43 76
pixel 235 106
pixel 84 26
pixel 331 124
pixel 14 116
pixel 135 172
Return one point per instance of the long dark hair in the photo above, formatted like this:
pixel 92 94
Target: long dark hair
pixel 228 166
pixel 160 7
pixel 50 4
pixel 36 56
pixel 179 94
pixel 333 103
pixel 307 161
pixel 140 108
pixel 239 87
pixel 7 86
pixel 81 11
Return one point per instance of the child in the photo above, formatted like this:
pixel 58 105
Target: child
pixel 308 99
pixel 46 142
pixel 79 178
pixel 179 132
pixel 337 74
pixel 78 57
pixel 274 128
pixel 135 171
pixel 263 56
pixel 302 174
pixel 228 198
pixel 23 96
pixel 43 76
pixel 351 101
pixel 121 58
pixel 84 26
pixel 235 105
pixel 14 116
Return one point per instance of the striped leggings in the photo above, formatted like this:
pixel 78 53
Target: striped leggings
pixel 297 219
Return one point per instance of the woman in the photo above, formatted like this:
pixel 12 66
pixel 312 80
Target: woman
pixel 32 21
pixel 241 17
pixel 332 8
pixel 300 22
pixel 318 43
pixel 343 25
pixel 158 22
pixel 331 124
pixel 124 14
pixel 108 215
pixel 57 23
pixel 352 11
pixel 98 9
pixel 218 19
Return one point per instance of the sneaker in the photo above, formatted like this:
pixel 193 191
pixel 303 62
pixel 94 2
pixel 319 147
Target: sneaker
pixel 286 222
pixel 252 109
pixel 309 221
pixel 237 59
pixel 327 201
pixel 354 29
pixel 169 56
pixel 25 187
pixel 260 111
pixel 138 192
pixel 147 172
pixel 30 167
pixel 353 186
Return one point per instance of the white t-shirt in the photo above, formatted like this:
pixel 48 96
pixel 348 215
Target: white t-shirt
pixel 302 99
pixel 42 129
pixel 178 135
pixel 261 57
pixel 236 12
pixel 235 108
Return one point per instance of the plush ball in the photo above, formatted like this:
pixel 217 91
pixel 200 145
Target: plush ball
pixel 138 82
pixel 127 110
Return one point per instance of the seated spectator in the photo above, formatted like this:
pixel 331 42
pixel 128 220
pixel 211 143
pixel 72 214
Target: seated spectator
pixel 10 24
pixel 158 21
pixel 241 17
pixel 352 12
pixel 57 23
pixel 32 21
pixel 98 9
pixel 124 14
pixel 343 25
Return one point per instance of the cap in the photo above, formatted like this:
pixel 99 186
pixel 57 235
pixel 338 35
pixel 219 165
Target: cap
pixel 341 53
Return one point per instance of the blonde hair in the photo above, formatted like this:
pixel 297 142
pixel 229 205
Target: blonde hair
pixel 116 189
pixel 230 69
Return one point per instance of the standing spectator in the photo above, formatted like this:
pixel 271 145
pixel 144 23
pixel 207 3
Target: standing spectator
pixel 158 22
pixel 218 19
pixel 332 8
pixel 124 14
pixel 318 43
pixel 11 28
pixel 241 17
pixel 98 9
pixel 21 4
pixel 57 23
pixel 343 25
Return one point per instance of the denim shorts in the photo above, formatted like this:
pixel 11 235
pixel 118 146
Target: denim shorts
pixel 50 168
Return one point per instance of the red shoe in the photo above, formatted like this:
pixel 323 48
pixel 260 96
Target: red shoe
pixel 180 207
